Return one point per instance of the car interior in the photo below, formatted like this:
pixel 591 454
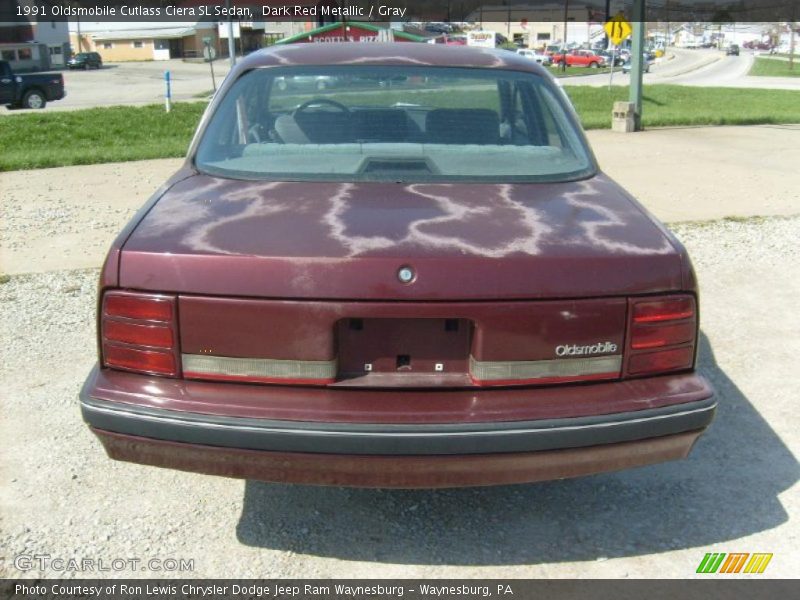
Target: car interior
pixel 514 132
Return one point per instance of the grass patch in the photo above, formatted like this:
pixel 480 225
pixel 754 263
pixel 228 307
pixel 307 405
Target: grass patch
pixel 96 135
pixel 771 67
pixel 100 135
pixel 673 105
pixel 556 71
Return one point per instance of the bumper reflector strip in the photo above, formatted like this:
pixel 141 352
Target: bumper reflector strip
pixel 545 371
pixel 265 370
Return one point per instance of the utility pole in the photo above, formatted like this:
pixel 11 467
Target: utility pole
pixel 231 41
pixel 564 42
pixel 637 62
pixel 792 28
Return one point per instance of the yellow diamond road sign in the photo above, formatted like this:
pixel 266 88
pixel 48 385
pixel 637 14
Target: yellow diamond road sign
pixel 617 29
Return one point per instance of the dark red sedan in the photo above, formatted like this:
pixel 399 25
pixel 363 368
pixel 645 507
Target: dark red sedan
pixel 416 277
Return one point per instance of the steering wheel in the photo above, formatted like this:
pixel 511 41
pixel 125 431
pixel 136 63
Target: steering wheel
pixel 313 101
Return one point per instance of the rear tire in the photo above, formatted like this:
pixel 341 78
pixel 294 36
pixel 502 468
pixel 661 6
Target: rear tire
pixel 34 99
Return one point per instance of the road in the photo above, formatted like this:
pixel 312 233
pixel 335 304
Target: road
pixel 135 83
pixel 731 71
pixel 139 83
pixel 708 68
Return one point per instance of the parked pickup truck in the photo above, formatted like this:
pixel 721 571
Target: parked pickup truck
pixel 31 90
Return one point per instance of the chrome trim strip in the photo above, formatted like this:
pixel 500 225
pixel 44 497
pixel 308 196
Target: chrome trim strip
pixel 267 368
pixel 540 369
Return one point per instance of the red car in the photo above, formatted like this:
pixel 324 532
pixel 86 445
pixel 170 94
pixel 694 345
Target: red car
pixel 422 284
pixel 579 58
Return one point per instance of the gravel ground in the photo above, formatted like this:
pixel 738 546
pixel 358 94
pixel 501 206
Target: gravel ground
pixel 51 219
pixel 60 496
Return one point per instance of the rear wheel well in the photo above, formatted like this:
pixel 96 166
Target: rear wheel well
pixel 34 88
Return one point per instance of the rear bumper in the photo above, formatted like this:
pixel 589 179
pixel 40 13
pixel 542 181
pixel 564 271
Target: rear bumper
pixel 397 471
pixel 500 449
pixel 393 439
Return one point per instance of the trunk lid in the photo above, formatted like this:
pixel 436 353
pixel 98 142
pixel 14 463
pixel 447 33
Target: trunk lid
pixel 303 240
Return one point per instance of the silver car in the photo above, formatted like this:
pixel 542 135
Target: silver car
pixel 540 57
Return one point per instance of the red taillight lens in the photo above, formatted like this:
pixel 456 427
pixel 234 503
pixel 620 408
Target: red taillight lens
pixel 662 335
pixel 139 333
pixel 666 334
pixel 135 306
pixel 134 359
pixel 661 361
pixel 670 309
pixel 159 336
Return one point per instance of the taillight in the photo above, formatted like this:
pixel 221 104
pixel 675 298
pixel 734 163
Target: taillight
pixel 139 334
pixel 662 335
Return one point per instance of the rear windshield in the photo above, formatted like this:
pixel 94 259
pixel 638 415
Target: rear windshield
pixel 393 124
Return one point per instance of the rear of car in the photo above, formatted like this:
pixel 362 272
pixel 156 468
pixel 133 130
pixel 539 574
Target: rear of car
pixel 415 277
pixel 85 60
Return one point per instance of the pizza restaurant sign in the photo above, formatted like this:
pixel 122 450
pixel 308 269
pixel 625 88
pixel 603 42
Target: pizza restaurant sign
pixel 325 38
pixel 354 34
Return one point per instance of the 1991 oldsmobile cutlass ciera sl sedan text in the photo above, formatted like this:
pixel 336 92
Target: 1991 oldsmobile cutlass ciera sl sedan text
pixel 413 275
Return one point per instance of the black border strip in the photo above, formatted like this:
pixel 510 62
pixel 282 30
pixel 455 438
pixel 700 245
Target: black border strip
pixel 392 439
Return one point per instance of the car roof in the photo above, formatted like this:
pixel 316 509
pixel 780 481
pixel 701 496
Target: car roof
pixel 386 54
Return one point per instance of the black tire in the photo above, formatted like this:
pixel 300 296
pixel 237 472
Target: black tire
pixel 593 65
pixel 34 99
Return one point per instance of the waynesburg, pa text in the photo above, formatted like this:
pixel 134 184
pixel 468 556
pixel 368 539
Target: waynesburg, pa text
pixel 263 590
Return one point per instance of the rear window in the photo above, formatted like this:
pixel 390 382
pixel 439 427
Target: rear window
pixel 393 124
